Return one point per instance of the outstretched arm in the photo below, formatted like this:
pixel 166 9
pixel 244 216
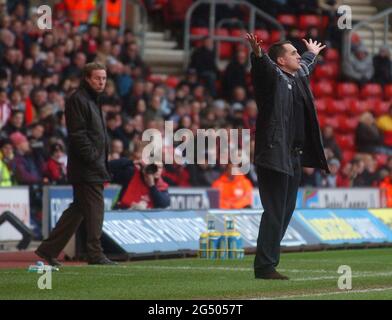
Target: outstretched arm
pixel 309 57
pixel 263 69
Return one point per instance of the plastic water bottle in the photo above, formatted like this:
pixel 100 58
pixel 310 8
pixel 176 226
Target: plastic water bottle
pixel 39 267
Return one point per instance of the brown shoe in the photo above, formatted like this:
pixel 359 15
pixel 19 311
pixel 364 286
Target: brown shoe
pixel 273 275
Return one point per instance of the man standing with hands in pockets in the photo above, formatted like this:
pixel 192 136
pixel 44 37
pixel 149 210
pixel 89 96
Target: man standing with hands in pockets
pixel 87 170
pixel 287 138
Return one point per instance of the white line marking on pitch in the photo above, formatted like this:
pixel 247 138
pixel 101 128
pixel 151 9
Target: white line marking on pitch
pixel 322 294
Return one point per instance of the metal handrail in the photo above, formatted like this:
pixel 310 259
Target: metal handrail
pixel 141 33
pixel 212 4
pixel 366 24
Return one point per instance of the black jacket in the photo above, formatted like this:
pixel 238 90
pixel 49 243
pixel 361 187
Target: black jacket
pixel 87 138
pixel 274 126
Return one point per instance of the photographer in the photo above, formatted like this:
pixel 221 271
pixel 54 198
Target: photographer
pixel 142 185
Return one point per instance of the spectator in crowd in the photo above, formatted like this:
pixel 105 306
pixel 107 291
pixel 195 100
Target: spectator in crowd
pixel 331 180
pixel 332 33
pixel 75 69
pixel 360 68
pixel 383 66
pixel 368 138
pixel 293 35
pixel 236 191
pixel 330 142
pixel 15 123
pixel 36 136
pixel 56 166
pixel 235 73
pixel 358 177
pixel 5 170
pixel 176 175
pixel 5 108
pixel 370 174
pixel 132 58
pixel 343 179
pixel 142 185
pixel 309 177
pixel 29 168
pixel 203 61
pixel 384 123
pixel 116 149
pixel 386 186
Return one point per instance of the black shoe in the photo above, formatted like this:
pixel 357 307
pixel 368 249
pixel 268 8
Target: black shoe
pixel 51 261
pixel 272 275
pixel 103 261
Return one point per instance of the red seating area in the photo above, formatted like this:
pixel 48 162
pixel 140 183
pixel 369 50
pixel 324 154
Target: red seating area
pixel 226 48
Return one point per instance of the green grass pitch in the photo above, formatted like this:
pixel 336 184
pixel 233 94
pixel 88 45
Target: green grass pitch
pixel 313 275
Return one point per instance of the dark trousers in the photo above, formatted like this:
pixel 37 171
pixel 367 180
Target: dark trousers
pixel 278 193
pixel 88 204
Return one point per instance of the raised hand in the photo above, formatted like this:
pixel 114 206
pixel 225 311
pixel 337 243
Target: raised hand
pixel 314 47
pixel 254 43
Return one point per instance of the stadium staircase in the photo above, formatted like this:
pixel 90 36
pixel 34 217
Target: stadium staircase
pixel 162 54
pixel 362 10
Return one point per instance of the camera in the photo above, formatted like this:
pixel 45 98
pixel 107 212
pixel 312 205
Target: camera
pixel 151 169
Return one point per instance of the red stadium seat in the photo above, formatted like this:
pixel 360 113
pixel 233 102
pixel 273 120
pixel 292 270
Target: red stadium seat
pixel 275 36
pixel 321 120
pixel 321 105
pixel 332 121
pixel 236 32
pixel 347 156
pixel 326 71
pixel 225 48
pixel 357 107
pixel 346 89
pixel 156 78
pixel 371 90
pixel 332 55
pixel 262 35
pixel 172 81
pixel 347 124
pixel 336 106
pixel 345 141
pixel 199 31
pixel 307 21
pixel 323 89
pixel 380 107
pixel 388 92
pixel 287 19
pixel 381 159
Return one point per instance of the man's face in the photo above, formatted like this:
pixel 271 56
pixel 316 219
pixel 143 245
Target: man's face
pixel 290 59
pixel 97 80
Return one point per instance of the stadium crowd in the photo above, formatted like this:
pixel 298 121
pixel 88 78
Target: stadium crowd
pixel 39 69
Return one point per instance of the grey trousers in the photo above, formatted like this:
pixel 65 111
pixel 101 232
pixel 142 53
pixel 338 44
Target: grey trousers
pixel 278 193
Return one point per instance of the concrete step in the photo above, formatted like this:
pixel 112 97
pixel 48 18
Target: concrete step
pixel 358 2
pixel 361 16
pixel 366 34
pixel 364 10
pixel 150 35
pixel 163 56
pixel 378 43
pixel 160 44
